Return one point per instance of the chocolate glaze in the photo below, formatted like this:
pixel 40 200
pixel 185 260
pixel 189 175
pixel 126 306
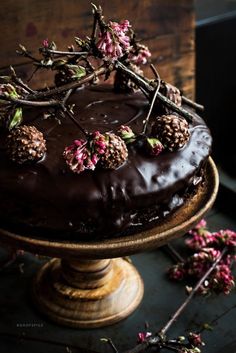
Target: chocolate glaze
pixel 53 202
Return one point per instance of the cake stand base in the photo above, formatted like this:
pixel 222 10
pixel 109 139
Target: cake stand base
pixel 87 293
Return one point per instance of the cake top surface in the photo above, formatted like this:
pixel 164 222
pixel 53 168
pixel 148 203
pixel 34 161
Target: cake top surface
pixel 110 194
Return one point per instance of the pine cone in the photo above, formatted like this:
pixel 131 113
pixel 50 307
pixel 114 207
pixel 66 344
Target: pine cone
pixel 125 84
pixel 68 73
pixel 173 94
pixel 61 78
pixel 172 131
pixel 116 152
pixel 25 144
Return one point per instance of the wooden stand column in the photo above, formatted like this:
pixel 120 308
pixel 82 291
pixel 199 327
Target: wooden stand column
pixel 87 293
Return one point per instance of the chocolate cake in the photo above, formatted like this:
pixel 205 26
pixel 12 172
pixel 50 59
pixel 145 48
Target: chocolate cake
pixel 47 199
pixel 83 160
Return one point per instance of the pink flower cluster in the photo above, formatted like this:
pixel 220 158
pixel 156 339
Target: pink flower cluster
pixel 113 41
pixel 201 237
pixel 208 247
pixel 83 154
pixel 142 336
pixel 140 54
pixel 195 339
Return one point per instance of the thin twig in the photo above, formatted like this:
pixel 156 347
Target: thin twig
pixel 145 84
pixel 100 71
pixel 95 22
pixel 150 110
pixel 153 99
pixel 26 54
pixel 49 103
pixel 61 52
pixel 33 73
pixel 168 248
pixel 217 318
pixel 67 96
pixel 19 81
pixel 156 73
pixel 192 104
pixel 191 295
pixel 72 118
pixel 154 340
pixel 110 342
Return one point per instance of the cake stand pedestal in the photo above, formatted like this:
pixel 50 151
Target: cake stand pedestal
pixel 90 284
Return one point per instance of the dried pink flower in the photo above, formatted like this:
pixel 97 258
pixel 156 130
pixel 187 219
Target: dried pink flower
pixel 199 241
pixel 225 237
pixel 78 157
pixel 201 224
pixel 201 237
pixel 45 43
pixel 195 339
pixel 222 280
pixel 83 154
pixel 113 42
pixel 98 143
pixel 140 54
pixel 177 272
pixel 142 336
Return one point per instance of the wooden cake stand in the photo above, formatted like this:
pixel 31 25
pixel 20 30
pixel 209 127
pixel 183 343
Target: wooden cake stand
pixel 91 285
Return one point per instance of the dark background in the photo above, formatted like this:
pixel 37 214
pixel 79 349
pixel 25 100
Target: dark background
pixel 216 75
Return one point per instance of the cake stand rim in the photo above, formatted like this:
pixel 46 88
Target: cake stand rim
pixel 118 246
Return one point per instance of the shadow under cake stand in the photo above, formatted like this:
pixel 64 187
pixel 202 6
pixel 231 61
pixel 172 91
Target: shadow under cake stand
pixel 89 284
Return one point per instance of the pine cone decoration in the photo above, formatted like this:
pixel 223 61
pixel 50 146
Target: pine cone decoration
pixel 172 131
pixel 68 73
pixel 25 144
pixel 116 152
pixel 173 94
pixel 61 78
pixel 124 84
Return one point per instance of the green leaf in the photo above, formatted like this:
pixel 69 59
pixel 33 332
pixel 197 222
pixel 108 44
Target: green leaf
pixel 79 41
pixel 12 92
pixel 16 119
pixel 79 72
pixel 59 63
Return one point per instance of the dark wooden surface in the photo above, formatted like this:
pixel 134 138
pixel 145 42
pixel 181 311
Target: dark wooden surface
pixel 166 26
pixel 18 317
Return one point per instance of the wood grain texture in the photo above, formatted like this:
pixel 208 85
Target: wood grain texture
pixel 167 26
pixel 87 294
